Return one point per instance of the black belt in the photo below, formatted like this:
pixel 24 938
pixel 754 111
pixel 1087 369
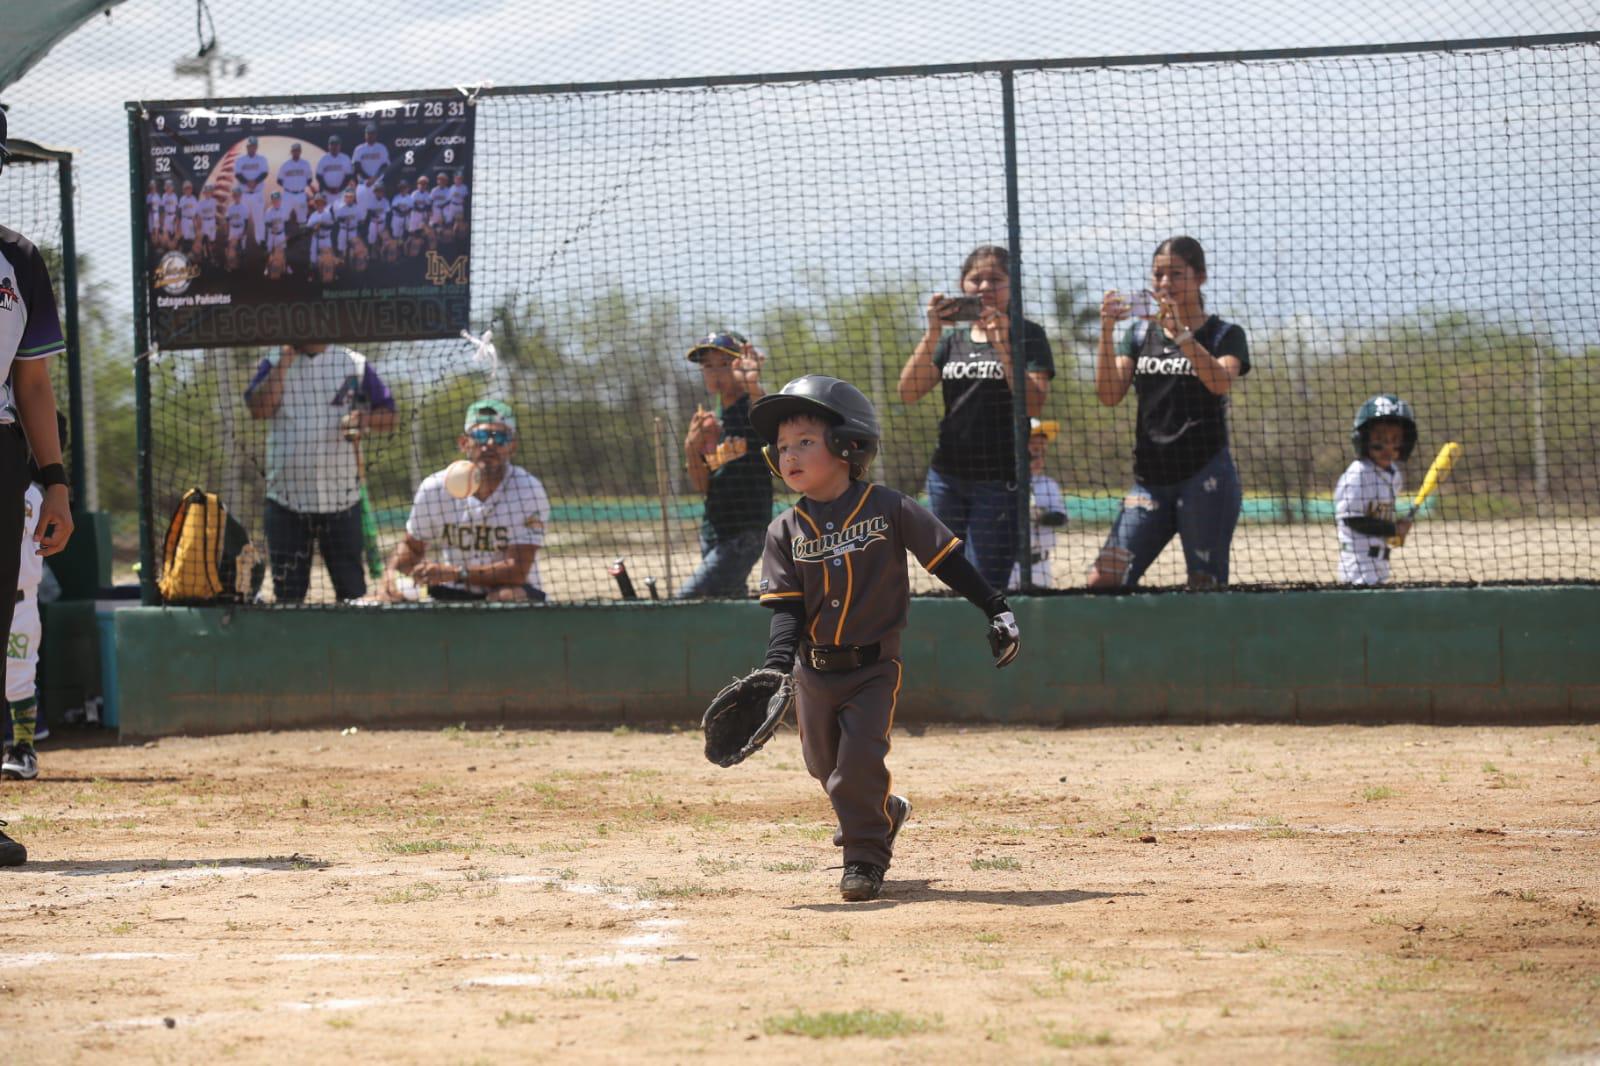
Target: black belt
pixel 1038 557
pixel 835 658
pixel 1376 552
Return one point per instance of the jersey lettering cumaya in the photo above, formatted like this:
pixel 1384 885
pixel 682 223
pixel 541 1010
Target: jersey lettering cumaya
pixel 845 561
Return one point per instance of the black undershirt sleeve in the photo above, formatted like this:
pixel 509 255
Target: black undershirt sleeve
pixel 957 571
pixel 1368 526
pixel 783 636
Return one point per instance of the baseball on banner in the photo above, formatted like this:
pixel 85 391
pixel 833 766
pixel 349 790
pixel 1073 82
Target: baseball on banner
pixel 462 478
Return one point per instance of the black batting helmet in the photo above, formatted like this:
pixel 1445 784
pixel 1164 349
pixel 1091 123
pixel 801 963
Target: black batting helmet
pixel 1387 408
pixel 853 431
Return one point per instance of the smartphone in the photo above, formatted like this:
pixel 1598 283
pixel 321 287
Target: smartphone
pixel 1141 304
pixel 962 308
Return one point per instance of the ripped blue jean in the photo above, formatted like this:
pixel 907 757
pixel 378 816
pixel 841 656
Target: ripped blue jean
pixel 1202 511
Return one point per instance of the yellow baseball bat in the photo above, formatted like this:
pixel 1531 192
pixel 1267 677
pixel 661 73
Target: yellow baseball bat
pixel 1430 482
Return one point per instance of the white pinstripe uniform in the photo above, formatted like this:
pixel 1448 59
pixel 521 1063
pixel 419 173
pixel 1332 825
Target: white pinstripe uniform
pixel 1365 490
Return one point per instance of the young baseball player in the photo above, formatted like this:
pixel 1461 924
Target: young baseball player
pixel 1383 434
pixel 20 762
pixel 834 574
pixel 400 210
pixel 238 222
pixel 1049 507
pixel 206 213
pixel 152 212
pixel 276 220
pixel 169 213
pixel 440 199
pixel 188 212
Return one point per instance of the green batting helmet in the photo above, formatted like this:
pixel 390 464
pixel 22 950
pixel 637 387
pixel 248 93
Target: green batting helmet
pixel 853 432
pixel 1386 408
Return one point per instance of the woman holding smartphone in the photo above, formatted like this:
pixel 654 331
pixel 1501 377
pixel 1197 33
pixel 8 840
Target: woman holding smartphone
pixel 967 348
pixel 1182 362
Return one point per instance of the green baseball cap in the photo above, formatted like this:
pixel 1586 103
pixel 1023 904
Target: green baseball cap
pixel 490 411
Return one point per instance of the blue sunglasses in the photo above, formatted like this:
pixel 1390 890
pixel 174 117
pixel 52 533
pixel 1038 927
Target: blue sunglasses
pixel 490 436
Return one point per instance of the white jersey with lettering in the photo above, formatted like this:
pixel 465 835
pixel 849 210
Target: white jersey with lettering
pixel 188 208
pixel 332 172
pixel 474 532
pixel 1365 490
pixel 371 160
pixel 206 212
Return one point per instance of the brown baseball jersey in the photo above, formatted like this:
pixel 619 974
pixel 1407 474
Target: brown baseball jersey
pixel 846 562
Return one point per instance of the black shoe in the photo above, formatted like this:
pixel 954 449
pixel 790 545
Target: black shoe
pixel 899 811
pixel 861 881
pixel 19 763
pixel 11 853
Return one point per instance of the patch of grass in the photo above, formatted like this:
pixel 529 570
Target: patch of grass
pixel 340 1023
pixel 122 928
pixel 417 847
pixel 987 938
pixel 829 1024
pixel 1078 1038
pixel 788 867
pixel 1373 793
pixel 980 961
pixel 681 890
pixel 713 867
pixel 421 892
pixel 608 992
pixel 1004 862
pixel 509 1018
pixel 454 731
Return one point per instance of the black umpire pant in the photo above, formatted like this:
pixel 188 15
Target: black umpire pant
pixel 13 487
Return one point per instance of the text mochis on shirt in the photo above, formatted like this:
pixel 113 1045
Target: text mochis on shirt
pixel 976 369
pixel 1170 364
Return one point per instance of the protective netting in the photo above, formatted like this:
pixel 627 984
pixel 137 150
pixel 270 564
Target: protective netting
pixel 1404 224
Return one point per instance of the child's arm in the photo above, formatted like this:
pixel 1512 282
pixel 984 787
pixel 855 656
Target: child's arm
pixel 783 636
pixel 957 571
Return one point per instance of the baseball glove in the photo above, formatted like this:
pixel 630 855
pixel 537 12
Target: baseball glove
pixel 745 714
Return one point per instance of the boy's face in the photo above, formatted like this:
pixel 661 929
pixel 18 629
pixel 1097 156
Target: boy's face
pixel 1036 447
pixel 805 462
pixel 1383 443
pixel 716 370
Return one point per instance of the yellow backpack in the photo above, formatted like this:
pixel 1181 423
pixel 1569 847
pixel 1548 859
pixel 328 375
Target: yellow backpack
pixel 208 556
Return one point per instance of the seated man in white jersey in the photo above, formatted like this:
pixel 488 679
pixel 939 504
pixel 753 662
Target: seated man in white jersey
pixel 482 544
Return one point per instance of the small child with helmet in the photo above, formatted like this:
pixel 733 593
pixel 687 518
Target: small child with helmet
pixel 1049 512
pixel 833 572
pixel 1383 434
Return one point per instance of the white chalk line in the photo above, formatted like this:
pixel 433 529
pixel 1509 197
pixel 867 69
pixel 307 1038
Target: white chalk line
pixel 1371 830
pixel 647 932
pixel 652 932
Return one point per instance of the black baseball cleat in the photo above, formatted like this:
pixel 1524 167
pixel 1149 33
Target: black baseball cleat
pixel 11 853
pixel 861 881
pixel 19 763
pixel 899 811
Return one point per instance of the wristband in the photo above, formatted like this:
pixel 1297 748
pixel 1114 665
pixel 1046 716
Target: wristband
pixel 52 474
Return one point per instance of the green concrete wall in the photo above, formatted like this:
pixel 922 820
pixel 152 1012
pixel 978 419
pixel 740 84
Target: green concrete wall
pixel 1450 655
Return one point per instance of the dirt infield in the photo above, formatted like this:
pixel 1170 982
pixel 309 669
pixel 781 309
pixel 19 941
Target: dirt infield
pixel 1212 894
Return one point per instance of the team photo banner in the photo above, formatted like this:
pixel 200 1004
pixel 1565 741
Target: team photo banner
pixel 324 223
